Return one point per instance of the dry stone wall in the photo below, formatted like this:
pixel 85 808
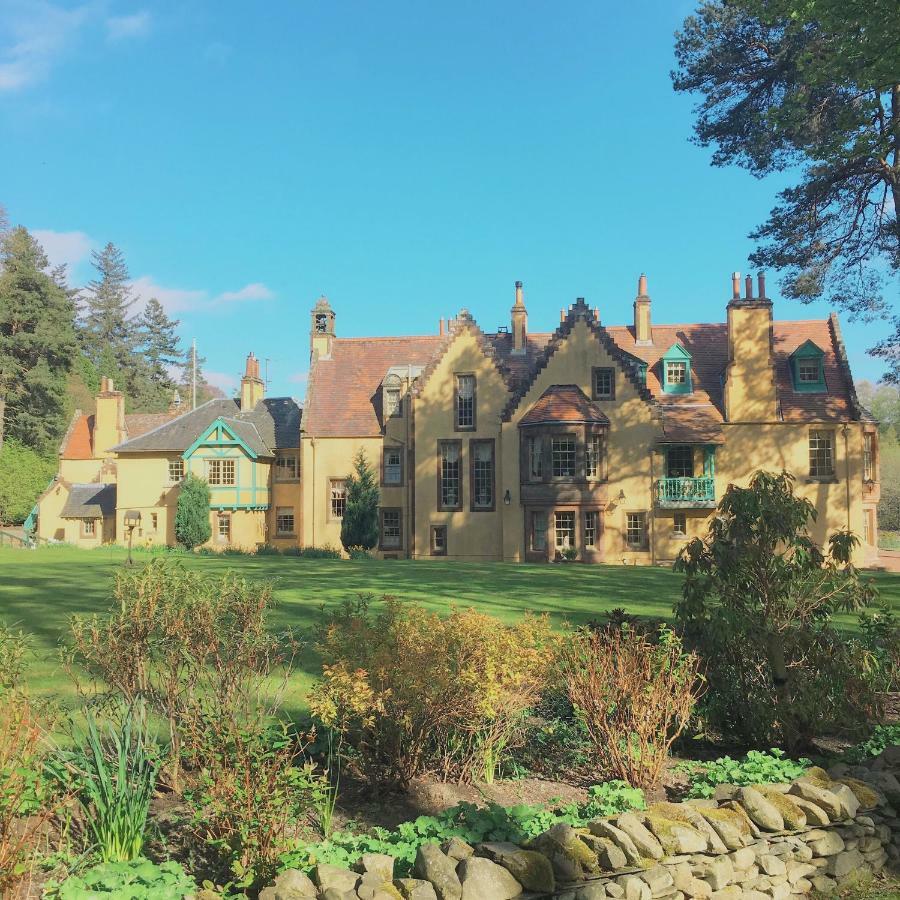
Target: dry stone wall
pixel 768 842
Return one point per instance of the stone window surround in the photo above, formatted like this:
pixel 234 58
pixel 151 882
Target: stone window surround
pixel 546 432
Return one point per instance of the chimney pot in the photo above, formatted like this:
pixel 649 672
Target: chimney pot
pixel 441 326
pixel 642 285
pixel 748 288
pixel 735 285
pixel 562 316
pixel 761 280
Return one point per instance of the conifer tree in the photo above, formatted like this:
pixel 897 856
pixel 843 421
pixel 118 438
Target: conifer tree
pixel 37 343
pixel 107 304
pixel 192 526
pixel 359 527
pixel 160 345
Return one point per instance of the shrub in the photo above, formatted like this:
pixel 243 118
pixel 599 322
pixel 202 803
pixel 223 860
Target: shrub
pixel 138 879
pixel 359 526
pixel 756 603
pixel 635 694
pixel 193 646
pixel 406 709
pixel 251 795
pixel 114 773
pixel 880 641
pixel 326 552
pixel 882 736
pixel 756 767
pixel 24 473
pixel 25 802
pixel 358 553
pixel 192 525
pixel 472 823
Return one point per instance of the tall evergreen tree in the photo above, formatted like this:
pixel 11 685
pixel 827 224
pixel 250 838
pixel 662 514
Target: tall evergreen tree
pixel 159 344
pixel 192 525
pixel 37 343
pixel 359 527
pixel 106 307
pixel 813 86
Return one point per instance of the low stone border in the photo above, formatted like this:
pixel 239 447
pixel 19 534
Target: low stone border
pixel 767 842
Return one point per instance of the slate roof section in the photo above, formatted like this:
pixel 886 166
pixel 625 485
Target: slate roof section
pixel 344 395
pixel 273 424
pixel 564 404
pixel 90 501
pixel 78 442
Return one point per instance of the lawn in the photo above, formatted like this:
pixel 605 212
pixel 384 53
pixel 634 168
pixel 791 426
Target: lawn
pixel 40 590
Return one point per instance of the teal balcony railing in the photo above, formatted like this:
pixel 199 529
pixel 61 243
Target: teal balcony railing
pixel 686 490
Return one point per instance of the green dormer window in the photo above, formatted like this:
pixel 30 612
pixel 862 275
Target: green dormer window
pixel 807 368
pixel 676 370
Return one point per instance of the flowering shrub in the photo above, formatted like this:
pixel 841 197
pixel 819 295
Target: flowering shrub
pixel 412 691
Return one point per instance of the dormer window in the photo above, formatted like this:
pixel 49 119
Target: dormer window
pixel 393 400
pixel 676 371
pixel 808 369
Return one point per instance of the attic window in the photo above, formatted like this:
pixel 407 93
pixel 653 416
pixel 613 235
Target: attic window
pixel 676 370
pixel 393 402
pixel 807 368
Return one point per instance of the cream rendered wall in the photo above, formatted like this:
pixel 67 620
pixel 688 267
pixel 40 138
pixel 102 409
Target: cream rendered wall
pixel 632 432
pixel 470 535
pixel 143 484
pixel 286 493
pixel 50 526
pixel 324 459
pixel 84 471
pixel 777 446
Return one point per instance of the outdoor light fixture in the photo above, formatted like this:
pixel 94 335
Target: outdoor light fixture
pixel 621 495
pixel 506 498
pixel 132 520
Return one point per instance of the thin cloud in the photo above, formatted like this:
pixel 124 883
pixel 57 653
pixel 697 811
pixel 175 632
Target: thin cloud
pixel 64 248
pixel 40 34
pixel 254 291
pixel 221 380
pixel 119 28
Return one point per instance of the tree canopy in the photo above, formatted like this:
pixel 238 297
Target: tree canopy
pixel 37 343
pixel 813 84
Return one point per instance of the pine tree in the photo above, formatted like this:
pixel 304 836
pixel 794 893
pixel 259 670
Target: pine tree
pixel 37 344
pixel 160 344
pixel 359 527
pixel 107 302
pixel 192 526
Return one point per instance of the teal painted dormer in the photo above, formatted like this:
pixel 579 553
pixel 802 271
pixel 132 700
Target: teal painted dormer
pixel 808 368
pixel 676 370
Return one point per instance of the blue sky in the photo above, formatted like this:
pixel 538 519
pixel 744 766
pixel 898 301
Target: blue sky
pixel 405 159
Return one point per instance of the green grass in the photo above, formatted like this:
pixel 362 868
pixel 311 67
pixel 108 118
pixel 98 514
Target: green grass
pixel 40 590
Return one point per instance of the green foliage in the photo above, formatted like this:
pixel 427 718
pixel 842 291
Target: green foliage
pixel 882 736
pixel 113 775
pixel 24 473
pixel 879 639
pixel 406 709
pixel 785 83
pixel 37 344
pixel 358 553
pixel 194 646
pixel 472 823
pixel 160 346
pixel 757 767
pixel 138 879
pixel 359 527
pixel 192 525
pixel 757 601
pixel 326 552
pixel 252 793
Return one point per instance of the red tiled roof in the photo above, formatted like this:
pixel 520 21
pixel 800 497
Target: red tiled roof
pixel 78 442
pixel 344 397
pixel 564 403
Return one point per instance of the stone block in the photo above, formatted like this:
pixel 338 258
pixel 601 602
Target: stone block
pixel 772 865
pixel 335 878
pixel 634 888
pixel 641 837
pixel 415 889
pixel 482 879
pixel 829 844
pixel 842 864
pixel 761 811
pixel 291 884
pixel 533 870
pixel 434 866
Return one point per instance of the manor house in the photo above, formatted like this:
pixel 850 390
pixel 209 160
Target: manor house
pixel 609 443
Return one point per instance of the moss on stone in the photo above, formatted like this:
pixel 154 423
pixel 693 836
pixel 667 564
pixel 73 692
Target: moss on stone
pixel 671 811
pixel 729 816
pixel 793 815
pixel 819 777
pixel 868 798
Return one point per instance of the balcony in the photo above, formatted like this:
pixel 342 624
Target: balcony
pixel 696 492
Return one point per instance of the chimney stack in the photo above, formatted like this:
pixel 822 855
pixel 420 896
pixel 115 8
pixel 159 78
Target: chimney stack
pixel 519 320
pixel 253 389
pixel 109 420
pixel 761 280
pixel 442 328
pixel 735 285
pixel 643 332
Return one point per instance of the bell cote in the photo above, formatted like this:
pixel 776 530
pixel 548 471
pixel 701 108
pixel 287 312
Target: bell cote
pixel 321 334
